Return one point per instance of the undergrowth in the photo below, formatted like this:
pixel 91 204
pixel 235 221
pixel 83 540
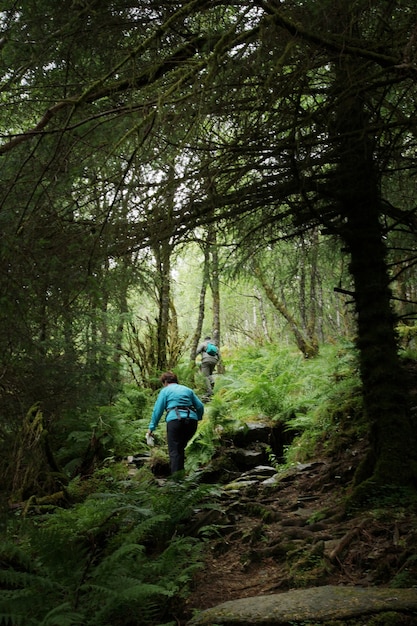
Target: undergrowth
pixel 318 398
pixel 115 558
pixel 119 552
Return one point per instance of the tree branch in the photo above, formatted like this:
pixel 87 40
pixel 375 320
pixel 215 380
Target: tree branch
pixel 335 44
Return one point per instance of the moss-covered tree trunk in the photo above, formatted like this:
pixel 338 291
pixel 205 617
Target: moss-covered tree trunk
pixel 201 304
pixel 163 257
pixel 393 454
pixel 309 348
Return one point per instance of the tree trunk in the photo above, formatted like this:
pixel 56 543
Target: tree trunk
pixel 215 290
pixel 392 460
pixel 163 257
pixel 119 333
pixel 308 348
pixel 202 303
pixel 258 296
pixel 312 328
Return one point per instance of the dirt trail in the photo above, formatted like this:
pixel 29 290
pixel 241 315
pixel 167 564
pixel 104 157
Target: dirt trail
pixel 295 535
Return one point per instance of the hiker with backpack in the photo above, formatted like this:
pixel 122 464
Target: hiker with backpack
pixel 210 356
pixel 184 410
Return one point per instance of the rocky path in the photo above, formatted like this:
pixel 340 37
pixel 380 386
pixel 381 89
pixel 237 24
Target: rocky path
pixel 272 533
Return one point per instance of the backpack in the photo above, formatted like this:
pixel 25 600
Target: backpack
pixel 212 350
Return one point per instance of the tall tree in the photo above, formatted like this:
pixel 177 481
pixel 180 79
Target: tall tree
pixel 316 155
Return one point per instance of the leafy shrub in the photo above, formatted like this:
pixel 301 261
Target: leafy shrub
pixel 117 430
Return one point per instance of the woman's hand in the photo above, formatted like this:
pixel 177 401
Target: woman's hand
pixel 150 438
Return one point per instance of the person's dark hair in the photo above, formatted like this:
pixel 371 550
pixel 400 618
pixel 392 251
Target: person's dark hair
pixel 168 377
pixel 208 337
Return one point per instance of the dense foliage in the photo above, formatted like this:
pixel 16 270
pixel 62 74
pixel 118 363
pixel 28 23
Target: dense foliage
pixel 175 168
pixel 118 550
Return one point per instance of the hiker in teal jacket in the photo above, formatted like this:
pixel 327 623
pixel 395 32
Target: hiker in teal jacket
pixel 184 410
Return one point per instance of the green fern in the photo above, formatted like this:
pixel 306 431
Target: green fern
pixel 115 555
pixel 269 383
pixel 119 427
pixel 119 554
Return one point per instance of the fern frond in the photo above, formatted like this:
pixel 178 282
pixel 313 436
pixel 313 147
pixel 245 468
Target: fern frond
pixel 63 615
pixel 123 595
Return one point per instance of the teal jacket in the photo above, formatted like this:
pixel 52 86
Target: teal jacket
pixel 175 395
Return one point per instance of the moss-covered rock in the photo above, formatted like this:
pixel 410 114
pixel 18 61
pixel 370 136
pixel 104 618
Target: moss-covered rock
pixel 316 605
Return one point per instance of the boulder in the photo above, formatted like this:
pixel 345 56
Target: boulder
pixel 317 604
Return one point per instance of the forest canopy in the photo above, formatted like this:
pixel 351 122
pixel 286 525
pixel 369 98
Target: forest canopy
pixel 268 146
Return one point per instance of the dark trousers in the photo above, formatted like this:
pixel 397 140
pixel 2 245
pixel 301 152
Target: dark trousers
pixel 179 433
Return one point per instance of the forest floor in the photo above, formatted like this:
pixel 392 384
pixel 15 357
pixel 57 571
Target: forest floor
pixel 264 540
